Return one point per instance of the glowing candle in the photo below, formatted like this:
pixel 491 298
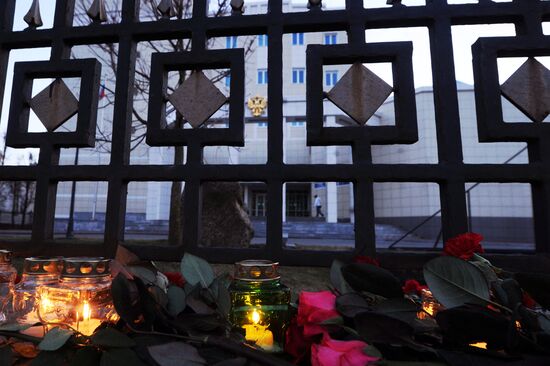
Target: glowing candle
pixel 481 345
pixel 257 333
pixel 85 323
pixel 82 298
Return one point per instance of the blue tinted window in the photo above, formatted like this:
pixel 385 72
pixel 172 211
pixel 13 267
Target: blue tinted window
pixel 298 76
pixel 262 76
pixel 231 42
pixel 297 39
pixel 331 38
pixel 331 78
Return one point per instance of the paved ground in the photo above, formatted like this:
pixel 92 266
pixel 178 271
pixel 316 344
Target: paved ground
pixel 410 242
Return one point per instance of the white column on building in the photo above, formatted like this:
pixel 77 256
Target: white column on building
pixel 332 189
pixel 246 191
pixel 284 185
pixel 351 205
pixel 284 202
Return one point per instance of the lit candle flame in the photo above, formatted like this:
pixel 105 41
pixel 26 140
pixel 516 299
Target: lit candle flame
pixel 255 317
pixel 86 311
pixel 482 345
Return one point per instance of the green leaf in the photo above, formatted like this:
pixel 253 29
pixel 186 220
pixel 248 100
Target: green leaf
pixel 337 279
pixel 220 288
pixel 87 356
pixel 109 337
pixel 544 323
pixel 455 282
pixel 333 321
pixel 487 270
pixel 373 279
pixel 126 299
pixel 196 270
pixel 146 275
pixel 351 304
pixel 372 351
pixel 55 339
pixel 15 327
pixel 49 359
pixel 120 357
pixel 176 300
pixel 176 354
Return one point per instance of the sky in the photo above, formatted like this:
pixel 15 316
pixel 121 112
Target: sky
pixel 463 38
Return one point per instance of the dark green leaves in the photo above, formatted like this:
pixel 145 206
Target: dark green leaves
pixel 111 338
pixel 351 304
pixel 176 300
pixel 373 279
pixel 196 270
pixel 126 299
pixel 455 282
pixel 176 354
pixel 464 325
pixel 120 357
pixel 55 339
pixel 337 278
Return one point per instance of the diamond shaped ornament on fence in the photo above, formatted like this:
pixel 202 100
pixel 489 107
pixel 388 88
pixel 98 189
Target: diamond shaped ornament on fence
pixel 529 90
pixel 54 105
pixel 197 99
pixel 360 93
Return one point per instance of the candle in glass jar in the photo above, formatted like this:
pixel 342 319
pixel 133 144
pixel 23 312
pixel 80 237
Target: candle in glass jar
pixel 85 324
pixel 257 333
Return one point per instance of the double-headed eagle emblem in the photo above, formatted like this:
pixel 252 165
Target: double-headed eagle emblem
pixel 257 105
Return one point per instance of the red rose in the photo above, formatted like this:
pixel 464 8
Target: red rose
pixel 366 259
pixel 413 287
pixel 315 308
pixel 296 343
pixel 464 246
pixel 175 278
pixel 528 301
pixel 340 353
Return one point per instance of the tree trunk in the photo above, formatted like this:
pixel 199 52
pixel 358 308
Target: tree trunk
pixel 25 203
pixel 175 228
pixel 15 199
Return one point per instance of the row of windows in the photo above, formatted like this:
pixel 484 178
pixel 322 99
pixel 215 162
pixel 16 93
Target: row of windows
pixel 297 40
pixel 292 124
pixel 298 77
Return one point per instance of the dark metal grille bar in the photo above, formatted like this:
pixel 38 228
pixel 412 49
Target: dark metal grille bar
pixel 450 173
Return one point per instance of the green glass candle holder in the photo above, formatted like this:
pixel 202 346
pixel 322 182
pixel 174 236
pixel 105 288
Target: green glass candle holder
pixel 260 304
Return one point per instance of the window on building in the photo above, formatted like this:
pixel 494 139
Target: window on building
pixel 297 39
pixel 262 76
pixel 297 123
pixel 262 40
pixel 231 42
pixel 262 124
pixel 331 78
pixel 228 81
pixel 331 38
pixel 298 76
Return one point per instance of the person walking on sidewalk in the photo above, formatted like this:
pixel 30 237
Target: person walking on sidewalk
pixel 318 206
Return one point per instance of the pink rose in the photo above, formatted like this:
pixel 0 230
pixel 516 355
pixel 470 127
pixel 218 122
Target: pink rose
pixel 314 308
pixel 340 353
pixel 464 246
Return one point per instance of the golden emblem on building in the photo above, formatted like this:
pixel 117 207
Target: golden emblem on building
pixel 257 105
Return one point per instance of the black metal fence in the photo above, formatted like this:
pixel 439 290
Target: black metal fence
pixel 450 173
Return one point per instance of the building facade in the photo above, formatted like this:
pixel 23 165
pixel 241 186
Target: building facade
pixel 499 211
